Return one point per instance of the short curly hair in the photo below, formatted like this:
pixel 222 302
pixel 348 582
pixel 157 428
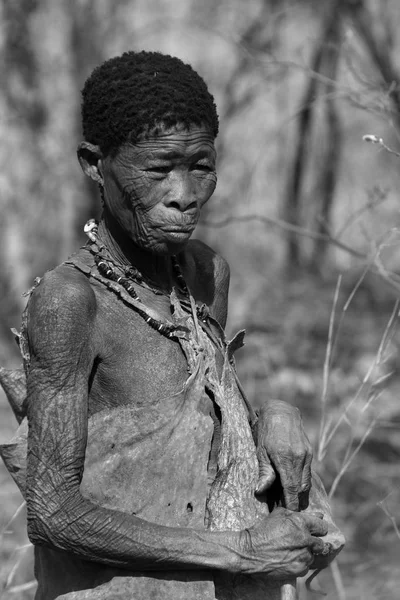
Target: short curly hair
pixel 130 95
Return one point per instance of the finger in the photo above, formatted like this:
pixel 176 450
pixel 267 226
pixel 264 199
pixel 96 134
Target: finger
pixel 291 489
pixel 319 548
pixel 304 500
pixel 315 513
pixel 305 482
pixel 315 525
pixel 306 474
pixel 291 475
pixel 267 474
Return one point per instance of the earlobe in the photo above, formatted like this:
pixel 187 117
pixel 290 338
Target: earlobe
pixel 90 157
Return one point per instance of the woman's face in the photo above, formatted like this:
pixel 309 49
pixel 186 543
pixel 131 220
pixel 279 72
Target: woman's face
pixel 155 189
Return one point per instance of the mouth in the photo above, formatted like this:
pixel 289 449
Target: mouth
pixel 178 234
pixel 179 229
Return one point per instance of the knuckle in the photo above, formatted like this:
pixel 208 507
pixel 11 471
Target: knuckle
pixel 280 512
pixel 298 568
pixel 296 520
pixel 299 451
pixel 295 411
pixel 292 490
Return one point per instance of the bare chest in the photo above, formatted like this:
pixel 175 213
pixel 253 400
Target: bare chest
pixel 135 364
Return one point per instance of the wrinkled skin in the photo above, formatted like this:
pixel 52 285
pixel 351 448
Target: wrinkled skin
pixel 283 528
pixel 157 188
pixel 153 192
pixel 283 448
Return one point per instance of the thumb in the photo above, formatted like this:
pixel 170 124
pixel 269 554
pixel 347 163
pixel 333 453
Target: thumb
pixel 266 475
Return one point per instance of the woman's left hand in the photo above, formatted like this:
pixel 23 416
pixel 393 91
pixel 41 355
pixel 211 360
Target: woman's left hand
pixel 283 448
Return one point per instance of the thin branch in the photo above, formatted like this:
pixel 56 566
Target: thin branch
pixel 348 460
pixel 286 227
pixel 372 203
pixel 378 51
pixel 338 581
pixel 379 358
pixel 386 510
pixel 327 365
pixel 23 587
pixel 374 139
pixel 5 529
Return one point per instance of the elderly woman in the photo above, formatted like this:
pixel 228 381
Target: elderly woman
pixel 147 470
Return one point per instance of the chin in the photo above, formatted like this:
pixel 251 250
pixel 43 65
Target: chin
pixel 173 245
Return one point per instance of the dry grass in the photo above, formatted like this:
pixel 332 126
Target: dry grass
pixel 340 366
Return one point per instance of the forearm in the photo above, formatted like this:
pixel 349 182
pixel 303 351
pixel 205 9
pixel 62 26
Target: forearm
pixel 125 541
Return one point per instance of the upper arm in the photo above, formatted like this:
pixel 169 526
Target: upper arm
pixel 61 317
pixel 219 307
pixel 210 276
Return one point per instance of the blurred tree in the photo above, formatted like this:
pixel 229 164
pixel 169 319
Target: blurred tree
pixel 322 78
pixel 25 117
pixel 376 30
pixel 327 177
pixel 87 49
pixel 280 60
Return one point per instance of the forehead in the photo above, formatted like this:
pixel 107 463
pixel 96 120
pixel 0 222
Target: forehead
pixel 169 142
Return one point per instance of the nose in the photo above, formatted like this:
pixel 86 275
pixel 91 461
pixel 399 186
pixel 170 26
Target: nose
pixel 180 195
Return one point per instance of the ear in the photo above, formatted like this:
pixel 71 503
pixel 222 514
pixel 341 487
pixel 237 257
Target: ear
pixel 90 157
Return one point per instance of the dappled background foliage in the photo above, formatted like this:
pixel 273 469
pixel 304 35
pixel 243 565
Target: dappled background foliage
pixel 305 212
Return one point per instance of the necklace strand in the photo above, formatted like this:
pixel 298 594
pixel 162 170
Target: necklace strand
pixel 106 267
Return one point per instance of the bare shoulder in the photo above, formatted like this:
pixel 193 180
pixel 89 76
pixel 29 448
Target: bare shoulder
pixel 208 275
pixel 207 261
pixel 63 300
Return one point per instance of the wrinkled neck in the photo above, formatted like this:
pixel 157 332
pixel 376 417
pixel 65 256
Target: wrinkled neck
pixel 154 268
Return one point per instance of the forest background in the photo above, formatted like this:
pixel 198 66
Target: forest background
pixel 305 211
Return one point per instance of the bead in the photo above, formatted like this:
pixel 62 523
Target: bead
pixel 108 271
pixel 91 229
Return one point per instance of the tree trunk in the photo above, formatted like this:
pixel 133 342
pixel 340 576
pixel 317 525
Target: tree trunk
pixel 292 202
pixel 379 53
pixel 328 174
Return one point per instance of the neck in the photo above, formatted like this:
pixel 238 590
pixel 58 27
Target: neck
pixel 154 268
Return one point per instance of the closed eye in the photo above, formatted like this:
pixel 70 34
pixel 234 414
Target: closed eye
pixel 202 167
pixel 160 169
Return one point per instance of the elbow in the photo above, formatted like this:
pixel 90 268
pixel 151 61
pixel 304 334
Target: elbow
pixel 50 527
pixel 42 530
pixel 36 531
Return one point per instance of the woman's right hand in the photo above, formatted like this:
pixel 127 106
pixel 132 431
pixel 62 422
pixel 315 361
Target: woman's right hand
pixel 282 545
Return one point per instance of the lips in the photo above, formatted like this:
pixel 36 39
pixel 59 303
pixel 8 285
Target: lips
pixel 177 234
pixel 179 229
pixel 183 226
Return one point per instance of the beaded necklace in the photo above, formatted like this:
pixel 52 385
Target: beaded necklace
pixel 110 270
pixel 201 315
